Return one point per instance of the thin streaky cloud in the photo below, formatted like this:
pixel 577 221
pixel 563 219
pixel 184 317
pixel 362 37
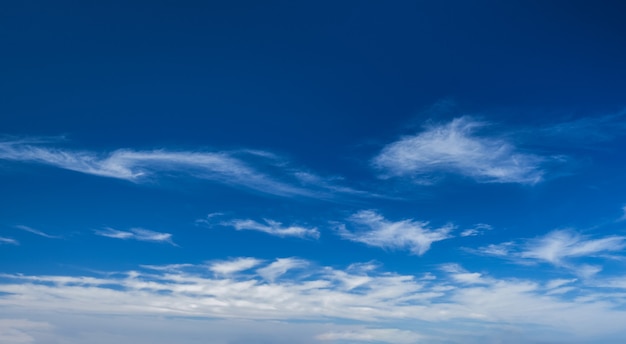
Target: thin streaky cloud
pixel 168 267
pixel 272 227
pixel 254 170
pixel 557 283
pixel 4 240
pixel 208 220
pixel 37 232
pixel 138 165
pixel 561 248
pixel 501 250
pixel 559 245
pixel 374 230
pixel 478 229
pixel 138 234
pixel 114 233
pixel 457 148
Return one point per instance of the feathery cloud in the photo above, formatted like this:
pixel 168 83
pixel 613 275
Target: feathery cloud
pixel 279 267
pixel 138 234
pixel 273 228
pixel 375 230
pixel 478 229
pixel 501 250
pixel 456 148
pixel 559 245
pixel 255 170
pixel 560 248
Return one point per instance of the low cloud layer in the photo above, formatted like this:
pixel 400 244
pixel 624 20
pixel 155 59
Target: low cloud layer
pixel 290 290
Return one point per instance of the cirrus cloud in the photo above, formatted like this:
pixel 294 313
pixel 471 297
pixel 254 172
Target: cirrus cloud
pixel 456 147
pixel 375 230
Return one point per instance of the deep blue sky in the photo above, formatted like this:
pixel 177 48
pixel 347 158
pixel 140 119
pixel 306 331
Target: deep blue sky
pixel 428 166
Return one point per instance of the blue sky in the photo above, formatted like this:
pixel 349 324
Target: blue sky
pixel 312 172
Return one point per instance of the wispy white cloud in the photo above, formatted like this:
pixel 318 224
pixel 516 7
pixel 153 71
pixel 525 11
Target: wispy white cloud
pixel 381 304
pixel 233 266
pixel 559 245
pixel 256 170
pixel 478 229
pixel 37 232
pixel 456 147
pixel 374 230
pixel 138 234
pixel 557 283
pixel 279 267
pixel 560 248
pixel 4 240
pixel 500 250
pixel 460 275
pixel 273 228
pixel 168 267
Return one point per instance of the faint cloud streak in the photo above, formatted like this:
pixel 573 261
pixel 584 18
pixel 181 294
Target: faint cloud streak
pixel 37 232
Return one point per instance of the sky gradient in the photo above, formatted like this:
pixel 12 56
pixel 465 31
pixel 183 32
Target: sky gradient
pixel 312 172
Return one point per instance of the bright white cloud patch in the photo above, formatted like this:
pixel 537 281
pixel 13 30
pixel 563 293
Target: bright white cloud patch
pixel 374 230
pixel 455 147
pixel 273 228
pixel 139 234
pixel 233 266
